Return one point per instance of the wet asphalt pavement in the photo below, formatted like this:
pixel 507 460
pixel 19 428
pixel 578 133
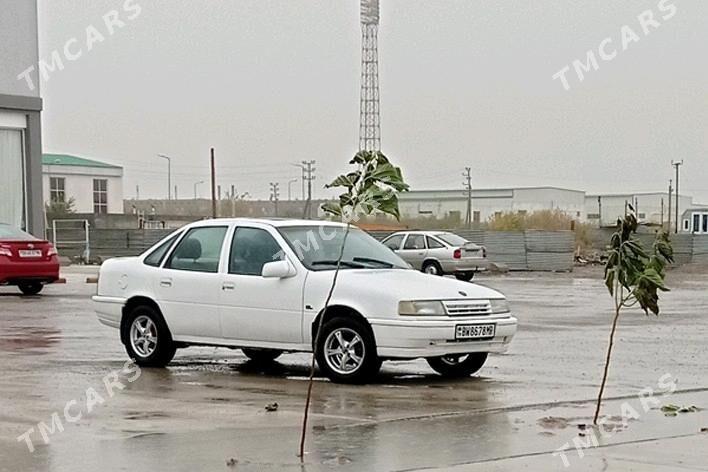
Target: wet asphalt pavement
pixel 208 406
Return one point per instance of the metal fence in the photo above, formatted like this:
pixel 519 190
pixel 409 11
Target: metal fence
pixel 520 250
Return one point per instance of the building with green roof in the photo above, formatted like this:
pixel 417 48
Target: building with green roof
pixel 94 186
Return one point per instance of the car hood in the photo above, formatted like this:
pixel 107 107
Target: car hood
pixel 413 285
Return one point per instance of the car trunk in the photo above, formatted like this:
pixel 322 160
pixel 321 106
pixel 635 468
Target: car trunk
pixel 27 250
pixel 472 251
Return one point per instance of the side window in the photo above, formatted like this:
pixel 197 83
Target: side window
pixel 156 256
pixel 199 250
pixel 251 249
pixel 394 242
pixel 434 243
pixel 415 241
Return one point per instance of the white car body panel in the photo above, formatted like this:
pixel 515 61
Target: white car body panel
pixel 252 311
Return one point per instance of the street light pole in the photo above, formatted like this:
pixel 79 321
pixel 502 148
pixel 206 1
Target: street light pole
pixel 195 187
pixel 169 175
pixel 290 182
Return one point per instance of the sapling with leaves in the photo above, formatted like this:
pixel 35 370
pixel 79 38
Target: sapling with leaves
pixel 634 277
pixel 372 187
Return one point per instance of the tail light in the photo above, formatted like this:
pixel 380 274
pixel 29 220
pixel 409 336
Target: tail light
pixel 52 251
pixel 484 251
pixel 5 251
pixel 457 254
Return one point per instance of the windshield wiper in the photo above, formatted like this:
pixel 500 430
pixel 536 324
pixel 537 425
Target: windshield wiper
pixel 375 261
pixel 333 262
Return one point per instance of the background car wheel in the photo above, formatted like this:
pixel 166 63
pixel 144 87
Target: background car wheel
pixel 31 288
pixel 464 276
pixel 432 268
pixel 346 352
pixel 148 340
pixel 262 356
pixel 459 365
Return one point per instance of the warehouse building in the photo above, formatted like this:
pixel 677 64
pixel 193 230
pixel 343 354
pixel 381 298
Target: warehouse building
pixel 20 125
pixel 652 207
pixel 92 186
pixel 452 204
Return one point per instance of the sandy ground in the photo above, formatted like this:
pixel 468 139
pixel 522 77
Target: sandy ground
pixel 208 407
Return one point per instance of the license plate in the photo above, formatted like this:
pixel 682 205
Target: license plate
pixel 475 331
pixel 30 253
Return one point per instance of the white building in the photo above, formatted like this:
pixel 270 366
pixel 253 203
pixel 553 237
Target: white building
pixel 651 207
pixel 486 203
pixel 95 187
pixel 695 220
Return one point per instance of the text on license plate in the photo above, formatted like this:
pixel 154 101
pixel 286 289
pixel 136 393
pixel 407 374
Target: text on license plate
pixel 31 253
pixel 475 331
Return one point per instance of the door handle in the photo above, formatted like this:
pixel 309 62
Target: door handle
pixel 228 286
pixel 166 283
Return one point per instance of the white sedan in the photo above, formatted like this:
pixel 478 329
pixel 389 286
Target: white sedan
pixel 261 285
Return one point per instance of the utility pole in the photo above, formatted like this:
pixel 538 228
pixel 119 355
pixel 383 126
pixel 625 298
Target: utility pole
pixel 677 164
pixel 169 174
pixel 213 185
pixel 176 196
pixel 137 192
pixel 599 211
pixel 308 176
pixel 467 174
pixel 670 192
pixel 275 195
pixel 662 212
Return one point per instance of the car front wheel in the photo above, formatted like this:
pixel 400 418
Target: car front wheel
pixel 458 365
pixel 148 339
pixel 346 351
pixel 31 288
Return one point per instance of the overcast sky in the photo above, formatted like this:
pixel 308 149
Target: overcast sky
pixel 463 82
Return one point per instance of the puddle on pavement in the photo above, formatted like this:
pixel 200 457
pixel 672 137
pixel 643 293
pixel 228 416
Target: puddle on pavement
pixel 24 339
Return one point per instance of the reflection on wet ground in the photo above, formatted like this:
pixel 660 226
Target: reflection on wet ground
pixel 209 406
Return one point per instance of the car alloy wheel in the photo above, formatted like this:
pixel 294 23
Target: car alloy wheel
pixel 454 360
pixel 344 351
pixel 432 268
pixel 143 336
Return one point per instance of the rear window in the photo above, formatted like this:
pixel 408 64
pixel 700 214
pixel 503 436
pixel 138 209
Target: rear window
pixel 452 239
pixel 15 234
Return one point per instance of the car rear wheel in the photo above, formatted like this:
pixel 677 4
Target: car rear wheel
pixel 432 268
pixel 458 365
pixel 464 276
pixel 148 339
pixel 262 356
pixel 31 288
pixel 346 351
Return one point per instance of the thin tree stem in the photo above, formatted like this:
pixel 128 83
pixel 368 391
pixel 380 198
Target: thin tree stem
pixel 618 307
pixel 305 418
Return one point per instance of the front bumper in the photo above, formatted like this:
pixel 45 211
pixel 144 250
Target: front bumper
pixel 406 338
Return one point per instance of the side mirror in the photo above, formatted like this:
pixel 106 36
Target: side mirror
pixel 278 270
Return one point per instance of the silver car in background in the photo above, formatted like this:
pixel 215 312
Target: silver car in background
pixel 439 253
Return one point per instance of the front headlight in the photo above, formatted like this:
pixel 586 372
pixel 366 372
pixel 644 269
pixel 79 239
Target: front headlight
pixel 499 305
pixel 422 308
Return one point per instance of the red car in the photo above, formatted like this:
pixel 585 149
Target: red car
pixel 26 261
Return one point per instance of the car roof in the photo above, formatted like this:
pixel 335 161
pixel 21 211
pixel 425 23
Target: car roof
pixel 426 233
pixel 274 222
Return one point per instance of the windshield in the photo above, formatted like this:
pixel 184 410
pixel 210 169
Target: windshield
pixel 318 248
pixel 11 233
pixel 452 239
